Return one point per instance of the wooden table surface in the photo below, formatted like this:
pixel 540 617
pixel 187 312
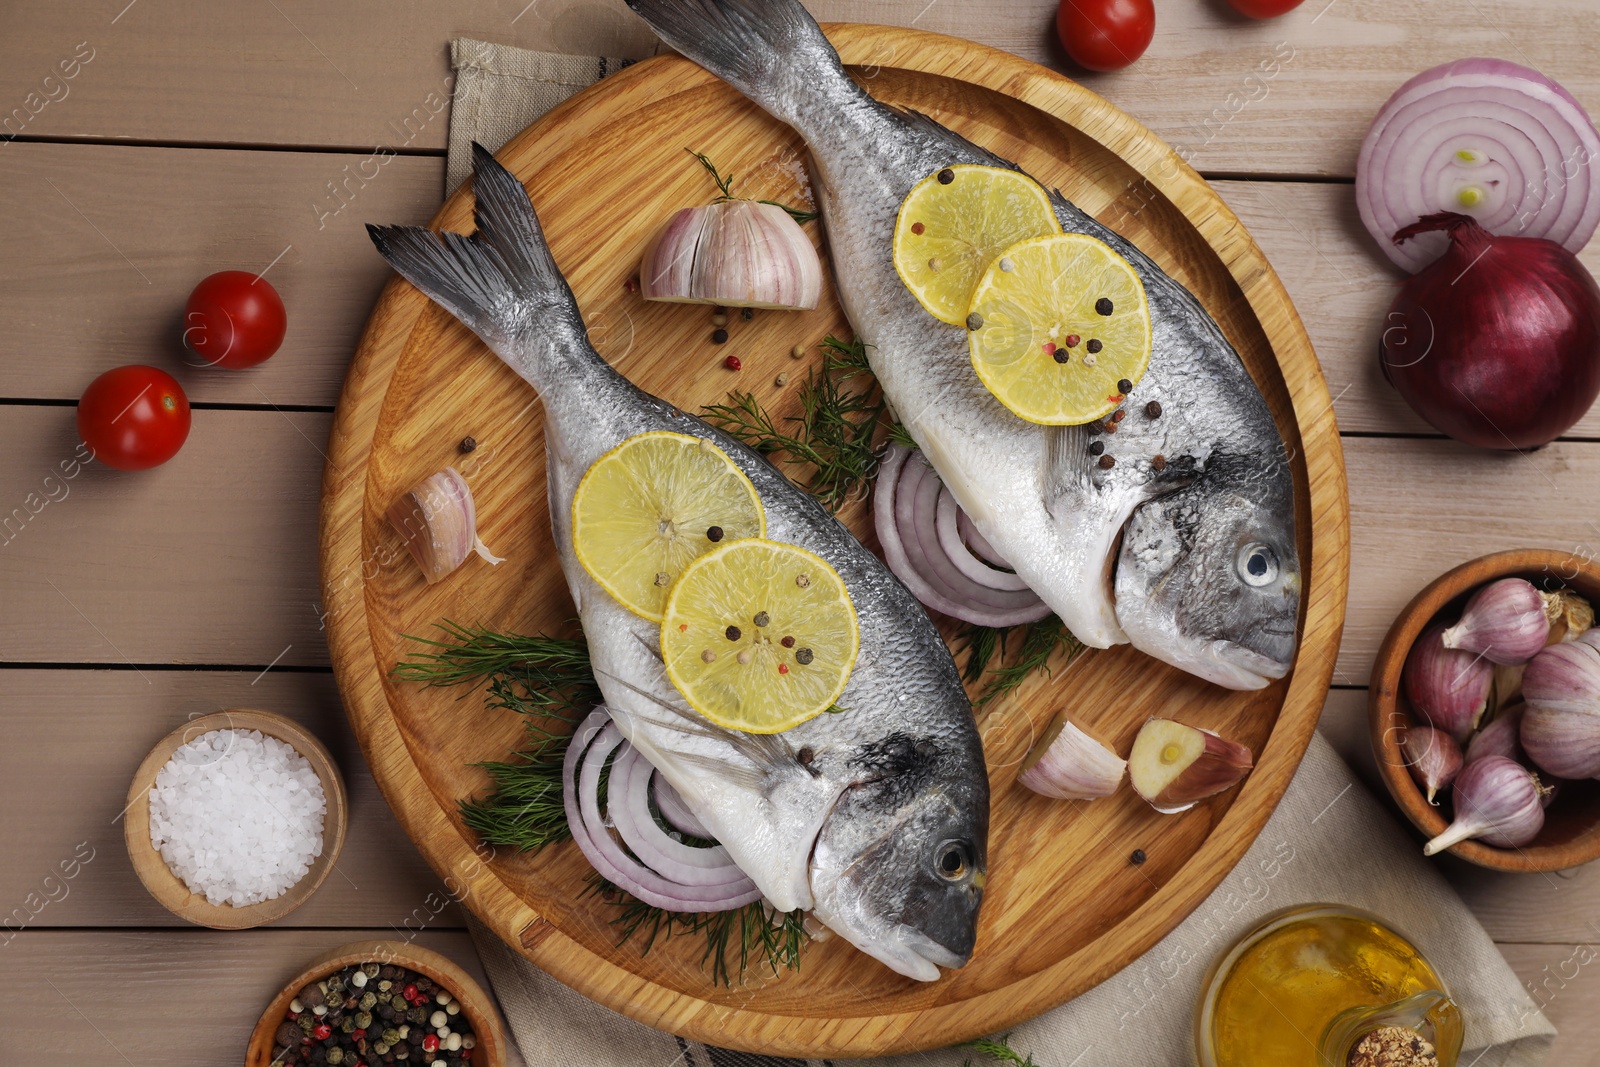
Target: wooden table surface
pixel 192 139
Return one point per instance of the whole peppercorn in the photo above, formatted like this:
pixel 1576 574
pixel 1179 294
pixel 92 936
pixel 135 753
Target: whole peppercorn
pixel 306 1023
pixel 335 985
pixel 322 1031
pixel 389 971
pixel 418 1015
pixel 409 992
pixel 733 363
pixel 312 997
pixel 288 1033
pixel 719 336
pixel 391 1036
pixel 335 1056
pixel 1096 447
pixel 467 445
pixel 946 176
pixel 402 1051
pixel 363 1019
pixel 1137 857
pixel 1153 409
pixel 1159 462
pixel 1124 386
pixel 430 1043
pixel 368 999
pixel 1107 462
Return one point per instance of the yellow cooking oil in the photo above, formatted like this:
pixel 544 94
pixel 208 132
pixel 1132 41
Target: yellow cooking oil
pixel 1273 997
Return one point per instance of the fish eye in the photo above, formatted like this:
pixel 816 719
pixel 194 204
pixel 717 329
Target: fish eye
pixel 1257 564
pixel 953 860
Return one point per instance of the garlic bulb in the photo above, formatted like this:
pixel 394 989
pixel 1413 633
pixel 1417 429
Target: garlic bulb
pixel 1504 622
pixel 1561 728
pixel 1070 765
pixel 1432 756
pixel 438 523
pixel 1495 800
pixel 1447 687
pixel 737 253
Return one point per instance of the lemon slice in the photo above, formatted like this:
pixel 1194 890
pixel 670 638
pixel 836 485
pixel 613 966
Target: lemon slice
pixel 948 232
pixel 648 507
pixel 1060 329
pixel 759 636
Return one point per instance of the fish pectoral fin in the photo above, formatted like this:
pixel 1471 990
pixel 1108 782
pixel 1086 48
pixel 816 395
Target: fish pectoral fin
pixel 744 776
pixel 769 750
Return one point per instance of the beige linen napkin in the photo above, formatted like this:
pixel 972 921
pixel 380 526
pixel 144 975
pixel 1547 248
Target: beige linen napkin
pixel 1328 842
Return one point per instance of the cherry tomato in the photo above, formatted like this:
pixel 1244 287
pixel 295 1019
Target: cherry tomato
pixel 1106 34
pixel 134 417
pixel 234 319
pixel 1264 9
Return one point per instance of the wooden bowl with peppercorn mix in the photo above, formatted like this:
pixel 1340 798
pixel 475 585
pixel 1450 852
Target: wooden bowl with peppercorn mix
pixel 1568 838
pixel 405 995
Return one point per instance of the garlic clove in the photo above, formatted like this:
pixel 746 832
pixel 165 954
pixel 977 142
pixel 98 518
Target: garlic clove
pixel 1506 689
pixel 1449 688
pixel 1068 764
pixel 437 522
pixel 1173 765
pixel 1570 615
pixel 735 253
pixel 1497 801
pixel 1500 737
pixel 1432 756
pixel 1505 622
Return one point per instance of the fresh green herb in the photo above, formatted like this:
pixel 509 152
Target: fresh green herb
pixel 999 1049
pixel 725 186
pixel 984 644
pixel 548 681
pixel 842 412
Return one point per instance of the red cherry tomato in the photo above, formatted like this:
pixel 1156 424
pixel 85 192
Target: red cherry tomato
pixel 1264 9
pixel 134 417
pixel 234 319
pixel 1106 34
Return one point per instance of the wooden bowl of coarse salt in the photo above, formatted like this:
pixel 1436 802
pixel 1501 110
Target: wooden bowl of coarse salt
pixel 251 833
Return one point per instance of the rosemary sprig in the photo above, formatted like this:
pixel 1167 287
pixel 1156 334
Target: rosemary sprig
pixel 725 186
pixel 1039 642
pixel 836 433
pixel 999 1049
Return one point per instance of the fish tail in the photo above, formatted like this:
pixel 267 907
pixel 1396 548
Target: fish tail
pixel 770 50
pixel 502 280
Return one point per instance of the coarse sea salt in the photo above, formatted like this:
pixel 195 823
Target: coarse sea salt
pixel 237 816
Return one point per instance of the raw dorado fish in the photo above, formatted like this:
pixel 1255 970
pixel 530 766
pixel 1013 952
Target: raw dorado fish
pixel 875 819
pixel 1207 576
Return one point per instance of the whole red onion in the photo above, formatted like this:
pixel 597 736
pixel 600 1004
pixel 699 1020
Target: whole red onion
pixel 1497 342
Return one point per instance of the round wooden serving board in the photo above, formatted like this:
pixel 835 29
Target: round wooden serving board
pixel 1065 907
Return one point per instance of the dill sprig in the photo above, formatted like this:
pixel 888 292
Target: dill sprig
pixel 725 186
pixel 999 1048
pixel 984 644
pixel 836 433
pixel 548 681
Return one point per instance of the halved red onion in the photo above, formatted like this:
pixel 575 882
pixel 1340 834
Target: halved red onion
pixel 628 804
pixel 1487 138
pixel 675 811
pixel 945 511
pixel 596 738
pixel 905 510
pixel 977 542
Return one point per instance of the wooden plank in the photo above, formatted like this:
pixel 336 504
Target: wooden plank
pixel 295 72
pixel 210 558
pixel 108 997
pixel 1565 982
pixel 97 268
pixel 110 719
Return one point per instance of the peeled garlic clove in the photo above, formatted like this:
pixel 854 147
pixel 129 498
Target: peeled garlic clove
pixel 1070 765
pixel 1501 737
pixel 1504 622
pixel 1432 756
pixel 1496 800
pixel 1447 687
pixel 1561 728
pixel 1173 765
pixel 1569 614
pixel 438 523
pixel 735 253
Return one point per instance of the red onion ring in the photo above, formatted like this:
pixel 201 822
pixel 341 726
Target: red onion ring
pixel 593 742
pixel 1515 142
pixel 628 804
pixel 977 542
pixel 675 811
pixel 894 508
pixel 946 509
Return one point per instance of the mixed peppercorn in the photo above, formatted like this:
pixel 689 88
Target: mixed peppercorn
pixel 371 1015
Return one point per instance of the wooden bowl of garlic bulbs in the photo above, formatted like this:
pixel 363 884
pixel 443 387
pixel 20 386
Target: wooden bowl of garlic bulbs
pixel 1484 708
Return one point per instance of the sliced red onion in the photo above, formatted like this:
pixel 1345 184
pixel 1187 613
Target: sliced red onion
pixel 628 804
pixel 979 544
pixel 945 511
pixel 675 811
pixel 593 743
pixel 906 518
pixel 1487 138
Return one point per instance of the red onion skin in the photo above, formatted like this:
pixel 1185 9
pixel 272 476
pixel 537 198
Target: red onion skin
pixel 1496 343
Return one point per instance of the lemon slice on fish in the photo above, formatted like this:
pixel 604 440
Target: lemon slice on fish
pixel 759 636
pixel 648 507
pixel 955 222
pixel 1059 329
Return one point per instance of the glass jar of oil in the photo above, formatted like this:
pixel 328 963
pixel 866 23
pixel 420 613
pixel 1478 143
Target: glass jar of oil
pixel 1299 989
